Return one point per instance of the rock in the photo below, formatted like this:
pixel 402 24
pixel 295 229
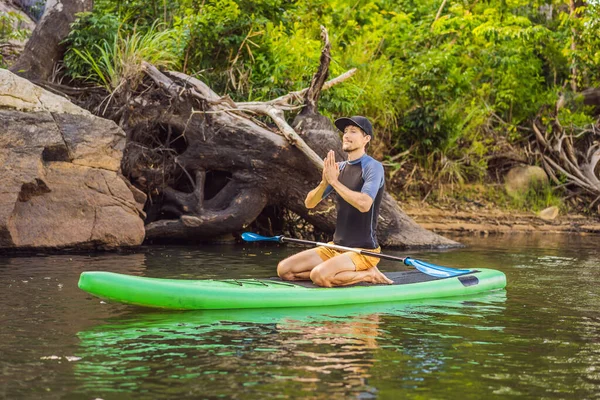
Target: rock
pixel 21 95
pixel 549 214
pixel 519 179
pixel 60 165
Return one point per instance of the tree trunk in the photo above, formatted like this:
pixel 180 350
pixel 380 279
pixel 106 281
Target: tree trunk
pixel 44 47
pixel 573 15
pixel 591 97
pixel 256 165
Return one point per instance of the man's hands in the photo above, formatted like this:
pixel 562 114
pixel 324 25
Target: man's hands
pixel 331 170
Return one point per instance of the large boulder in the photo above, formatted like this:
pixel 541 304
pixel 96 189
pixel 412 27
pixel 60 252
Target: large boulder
pixel 60 166
pixel 522 178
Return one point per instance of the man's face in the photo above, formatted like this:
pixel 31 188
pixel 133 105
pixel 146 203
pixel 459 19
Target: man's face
pixel 354 138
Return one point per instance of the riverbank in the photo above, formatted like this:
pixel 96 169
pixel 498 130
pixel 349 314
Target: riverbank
pixel 479 218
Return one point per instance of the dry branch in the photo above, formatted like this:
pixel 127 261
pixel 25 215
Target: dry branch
pixel 574 156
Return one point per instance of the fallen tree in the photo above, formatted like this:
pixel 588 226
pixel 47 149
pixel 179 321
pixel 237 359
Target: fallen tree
pixel 211 165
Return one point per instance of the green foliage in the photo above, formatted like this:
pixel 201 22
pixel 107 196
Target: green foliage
pixel 586 55
pixel 478 63
pixel 10 26
pixel 446 92
pixel 10 29
pixel 576 118
pixel 537 198
pixel 222 38
pixel 87 32
pixel 116 63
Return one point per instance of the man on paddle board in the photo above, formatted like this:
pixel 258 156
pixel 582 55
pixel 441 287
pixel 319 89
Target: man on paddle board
pixel 359 185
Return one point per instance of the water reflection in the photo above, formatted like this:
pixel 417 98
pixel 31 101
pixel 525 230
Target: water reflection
pixel 540 340
pixel 279 351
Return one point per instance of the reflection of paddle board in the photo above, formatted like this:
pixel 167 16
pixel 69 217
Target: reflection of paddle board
pixel 143 325
pixel 274 293
pixel 151 354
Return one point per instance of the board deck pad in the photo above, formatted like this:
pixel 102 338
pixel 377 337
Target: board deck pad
pixel 399 278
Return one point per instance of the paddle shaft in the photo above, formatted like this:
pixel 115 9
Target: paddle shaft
pixel 343 248
pixel 426 268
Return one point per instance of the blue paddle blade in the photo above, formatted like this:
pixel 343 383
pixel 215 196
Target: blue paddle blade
pixel 253 237
pixel 435 270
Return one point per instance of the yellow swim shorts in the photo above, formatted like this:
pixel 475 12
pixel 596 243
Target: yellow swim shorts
pixel 361 262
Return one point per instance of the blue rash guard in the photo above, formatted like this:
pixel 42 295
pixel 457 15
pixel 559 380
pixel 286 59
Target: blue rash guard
pixel 354 228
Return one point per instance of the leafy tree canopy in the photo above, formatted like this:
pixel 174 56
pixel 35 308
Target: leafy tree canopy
pixel 450 86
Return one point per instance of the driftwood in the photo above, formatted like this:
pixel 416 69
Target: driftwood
pixel 571 155
pixel 223 162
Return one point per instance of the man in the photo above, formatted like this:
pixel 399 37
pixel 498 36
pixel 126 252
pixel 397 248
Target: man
pixel 359 185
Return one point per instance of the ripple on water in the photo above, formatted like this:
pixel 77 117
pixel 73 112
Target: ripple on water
pixel 537 339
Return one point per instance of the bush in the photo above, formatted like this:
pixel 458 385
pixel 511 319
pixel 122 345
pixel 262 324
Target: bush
pixel 10 23
pixel 116 62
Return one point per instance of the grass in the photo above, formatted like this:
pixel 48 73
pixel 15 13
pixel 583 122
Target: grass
pixel 537 198
pixel 119 65
pixel 489 196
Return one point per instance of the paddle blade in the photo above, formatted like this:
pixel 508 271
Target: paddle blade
pixel 253 237
pixel 435 270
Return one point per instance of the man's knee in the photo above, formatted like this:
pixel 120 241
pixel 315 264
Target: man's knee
pixel 284 270
pixel 318 277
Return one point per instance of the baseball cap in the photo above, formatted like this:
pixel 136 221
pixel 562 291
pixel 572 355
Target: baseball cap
pixel 356 120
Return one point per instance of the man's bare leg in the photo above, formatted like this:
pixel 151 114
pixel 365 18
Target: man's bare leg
pixel 298 266
pixel 371 275
pixel 341 271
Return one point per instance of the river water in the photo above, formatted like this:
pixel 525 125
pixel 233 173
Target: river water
pixel 540 338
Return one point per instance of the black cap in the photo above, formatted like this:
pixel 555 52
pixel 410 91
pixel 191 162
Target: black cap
pixel 361 122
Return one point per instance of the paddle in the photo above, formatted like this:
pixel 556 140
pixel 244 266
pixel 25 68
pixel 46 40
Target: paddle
pixel 430 269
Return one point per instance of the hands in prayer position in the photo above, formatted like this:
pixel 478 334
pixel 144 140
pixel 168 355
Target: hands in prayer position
pixel 331 169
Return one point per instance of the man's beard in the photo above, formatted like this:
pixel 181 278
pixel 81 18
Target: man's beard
pixel 349 147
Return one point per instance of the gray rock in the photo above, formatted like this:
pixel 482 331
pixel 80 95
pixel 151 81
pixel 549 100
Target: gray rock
pixel 60 167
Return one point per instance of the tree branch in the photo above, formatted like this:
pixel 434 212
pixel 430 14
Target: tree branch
pixel 311 97
pixel 439 13
pixel 293 100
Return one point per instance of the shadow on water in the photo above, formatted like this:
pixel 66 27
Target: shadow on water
pixel 276 351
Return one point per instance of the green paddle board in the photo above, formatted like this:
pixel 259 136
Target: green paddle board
pixel 179 294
